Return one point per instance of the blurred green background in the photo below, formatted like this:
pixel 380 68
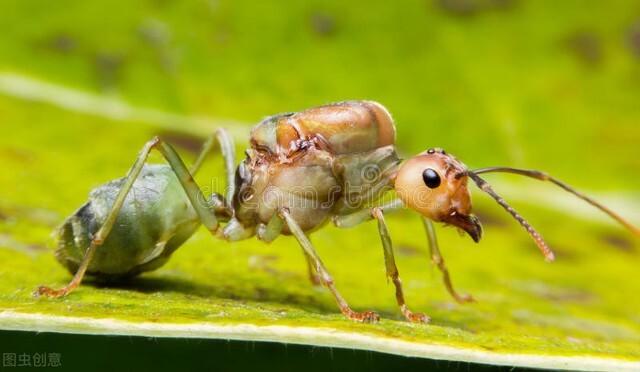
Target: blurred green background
pixel 551 85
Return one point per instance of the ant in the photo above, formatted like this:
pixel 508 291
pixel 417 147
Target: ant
pixel 302 170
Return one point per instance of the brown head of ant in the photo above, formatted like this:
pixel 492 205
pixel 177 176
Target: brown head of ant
pixel 434 184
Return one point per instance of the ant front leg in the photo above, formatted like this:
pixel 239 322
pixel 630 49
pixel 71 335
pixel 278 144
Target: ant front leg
pixel 325 277
pixel 207 216
pixel 364 215
pixel 437 259
pixel 392 269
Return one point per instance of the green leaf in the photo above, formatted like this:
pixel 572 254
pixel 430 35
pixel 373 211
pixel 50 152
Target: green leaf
pixel 77 104
pixel 578 310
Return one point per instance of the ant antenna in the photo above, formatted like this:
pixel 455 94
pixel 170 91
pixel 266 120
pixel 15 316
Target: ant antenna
pixel 545 177
pixel 484 186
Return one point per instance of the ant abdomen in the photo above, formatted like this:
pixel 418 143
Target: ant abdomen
pixel 154 221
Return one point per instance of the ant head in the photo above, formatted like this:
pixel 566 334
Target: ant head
pixel 434 184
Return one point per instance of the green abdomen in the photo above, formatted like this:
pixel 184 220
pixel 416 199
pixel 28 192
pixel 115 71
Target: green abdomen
pixel 154 221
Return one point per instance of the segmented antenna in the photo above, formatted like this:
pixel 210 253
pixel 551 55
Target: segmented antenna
pixel 545 177
pixel 484 186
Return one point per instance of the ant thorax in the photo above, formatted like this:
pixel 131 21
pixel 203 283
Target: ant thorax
pixel 316 163
pixel 313 184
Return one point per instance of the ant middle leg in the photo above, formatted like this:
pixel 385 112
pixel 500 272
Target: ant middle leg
pixel 325 277
pixel 206 214
pixel 314 277
pixel 377 213
pixel 270 231
pixel 364 215
pixel 437 259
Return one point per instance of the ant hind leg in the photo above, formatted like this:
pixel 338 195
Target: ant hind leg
pixel 207 216
pixel 314 277
pixel 224 141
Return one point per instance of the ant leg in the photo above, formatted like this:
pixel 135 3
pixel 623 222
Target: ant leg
pixel 220 207
pixel 314 277
pixel 227 147
pixel 269 232
pixel 234 231
pixel 207 216
pixel 364 215
pixel 437 259
pixel 325 277
pixel 392 269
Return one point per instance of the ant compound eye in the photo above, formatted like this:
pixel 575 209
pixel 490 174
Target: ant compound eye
pixel 431 178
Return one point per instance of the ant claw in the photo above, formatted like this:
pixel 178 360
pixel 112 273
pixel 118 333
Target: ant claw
pixel 464 299
pixel 370 317
pixel 364 317
pixel 418 318
pixel 49 292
